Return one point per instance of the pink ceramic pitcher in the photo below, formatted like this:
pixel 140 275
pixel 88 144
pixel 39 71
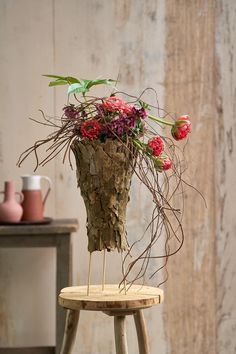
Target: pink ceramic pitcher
pixel 34 202
pixel 10 209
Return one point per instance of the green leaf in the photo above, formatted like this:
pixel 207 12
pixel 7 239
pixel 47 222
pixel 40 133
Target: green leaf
pixel 55 76
pixel 77 85
pixel 77 88
pixel 144 104
pixel 58 82
pixel 66 79
pixel 99 82
pixel 72 80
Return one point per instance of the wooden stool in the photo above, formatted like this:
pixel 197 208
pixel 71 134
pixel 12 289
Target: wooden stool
pixel 113 303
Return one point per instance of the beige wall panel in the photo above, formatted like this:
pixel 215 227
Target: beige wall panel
pixel 190 89
pixel 26 53
pixel 226 179
pixel 96 39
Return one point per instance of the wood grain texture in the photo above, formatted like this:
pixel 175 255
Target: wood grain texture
pixel 57 227
pixel 26 42
pixel 142 334
pixel 225 175
pixel 62 244
pixel 72 319
pixel 120 335
pixel 191 77
pixel 32 350
pixel 138 296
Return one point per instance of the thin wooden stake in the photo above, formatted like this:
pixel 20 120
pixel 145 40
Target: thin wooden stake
pixel 104 270
pixel 89 272
pixel 123 265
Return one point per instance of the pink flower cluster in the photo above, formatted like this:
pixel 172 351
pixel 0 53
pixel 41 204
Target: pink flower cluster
pixel 115 118
pixel 156 145
pixel 114 104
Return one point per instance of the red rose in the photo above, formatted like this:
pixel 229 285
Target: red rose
pixel 181 128
pixel 156 145
pixel 90 129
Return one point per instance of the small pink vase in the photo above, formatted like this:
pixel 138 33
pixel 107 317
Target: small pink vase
pixel 10 209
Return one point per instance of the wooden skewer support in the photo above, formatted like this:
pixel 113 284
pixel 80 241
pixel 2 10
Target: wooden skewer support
pixel 123 265
pixel 104 270
pixel 89 273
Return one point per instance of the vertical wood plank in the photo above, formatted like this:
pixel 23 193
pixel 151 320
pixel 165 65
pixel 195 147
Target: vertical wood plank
pixel 26 53
pixel 191 75
pixel 225 175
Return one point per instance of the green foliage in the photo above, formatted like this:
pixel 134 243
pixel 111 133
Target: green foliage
pixel 62 80
pixel 85 85
pixel 77 85
pixel 144 104
pixel 77 88
pixel 138 127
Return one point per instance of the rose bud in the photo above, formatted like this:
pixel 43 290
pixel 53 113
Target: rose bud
pixel 181 128
pixel 163 163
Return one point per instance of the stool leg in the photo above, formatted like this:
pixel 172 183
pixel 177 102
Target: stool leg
pixel 120 335
pixel 141 332
pixel 72 319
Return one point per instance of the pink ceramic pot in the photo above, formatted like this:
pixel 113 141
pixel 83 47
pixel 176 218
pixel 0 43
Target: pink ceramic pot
pixel 10 209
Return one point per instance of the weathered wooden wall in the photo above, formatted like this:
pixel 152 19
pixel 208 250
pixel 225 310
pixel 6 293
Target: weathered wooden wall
pixel 191 84
pixel 186 50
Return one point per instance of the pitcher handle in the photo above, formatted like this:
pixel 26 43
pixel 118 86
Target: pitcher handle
pixel 49 188
pixel 21 196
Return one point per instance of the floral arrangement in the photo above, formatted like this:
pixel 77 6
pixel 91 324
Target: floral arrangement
pixel 111 117
pixel 131 121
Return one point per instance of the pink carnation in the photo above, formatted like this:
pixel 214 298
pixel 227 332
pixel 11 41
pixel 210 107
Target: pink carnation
pixel 156 145
pixel 90 129
pixel 181 128
pixel 113 104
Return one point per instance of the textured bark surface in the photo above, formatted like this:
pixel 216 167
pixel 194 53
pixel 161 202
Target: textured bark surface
pixel 104 172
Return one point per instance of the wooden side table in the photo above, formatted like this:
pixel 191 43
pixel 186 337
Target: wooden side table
pixel 56 234
pixel 113 303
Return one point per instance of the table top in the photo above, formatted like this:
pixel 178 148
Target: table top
pixel 137 297
pixel 57 226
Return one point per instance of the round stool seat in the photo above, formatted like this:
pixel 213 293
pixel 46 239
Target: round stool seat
pixel 114 302
pixel 110 299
